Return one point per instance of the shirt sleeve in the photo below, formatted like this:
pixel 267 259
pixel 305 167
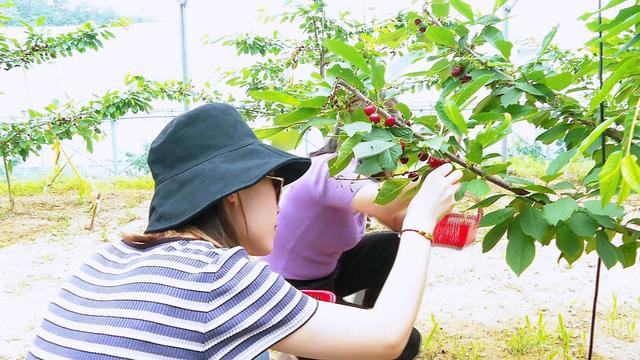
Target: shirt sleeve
pixel 336 191
pixel 253 309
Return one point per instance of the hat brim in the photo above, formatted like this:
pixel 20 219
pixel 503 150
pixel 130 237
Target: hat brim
pixel 184 196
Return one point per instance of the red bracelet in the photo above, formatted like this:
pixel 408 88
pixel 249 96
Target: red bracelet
pixel 422 233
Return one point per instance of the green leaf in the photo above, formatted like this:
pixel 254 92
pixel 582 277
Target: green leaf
pixel 496 217
pixel 559 81
pixel 478 187
pixel 295 116
pixel 348 53
pixel 367 149
pixel 553 134
pixel 345 154
pixel 595 208
pixel 316 102
pixel 625 191
pixel 454 114
pixel 487 202
pixel 274 96
pixel 369 166
pixel 569 243
pixel 583 224
pixel 606 250
pixel 440 8
pixel 547 41
pixel 627 254
pixel 358 127
pixel 533 223
pixel 561 161
pixel 441 36
pixel 631 172
pixel 348 75
pixel 463 8
pixel 498 4
pixel 521 249
pixel 494 235
pixel 377 74
pixel 285 140
pixel 390 190
pixel 504 47
pixel 388 159
pixel 393 39
pixel 510 96
pixel 560 210
pixel 594 135
pixel 471 89
pixel 528 88
pixel 629 44
pixel 404 110
pixel 474 152
pixel 609 177
pixel 621 71
pixel 493 36
pixel 609 5
pixel 266 132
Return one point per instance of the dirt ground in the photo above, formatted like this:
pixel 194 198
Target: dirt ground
pixel 477 303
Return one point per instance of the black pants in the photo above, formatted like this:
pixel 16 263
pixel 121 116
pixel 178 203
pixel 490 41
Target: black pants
pixel 366 266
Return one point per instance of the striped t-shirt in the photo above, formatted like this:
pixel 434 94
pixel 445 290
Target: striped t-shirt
pixel 183 299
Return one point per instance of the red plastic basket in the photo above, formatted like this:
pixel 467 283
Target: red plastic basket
pixel 456 230
pixel 321 295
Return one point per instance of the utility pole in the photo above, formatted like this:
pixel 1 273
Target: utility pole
pixel 183 46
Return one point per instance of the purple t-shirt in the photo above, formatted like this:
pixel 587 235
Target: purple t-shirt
pixel 316 223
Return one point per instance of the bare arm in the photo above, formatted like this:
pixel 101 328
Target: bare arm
pixel 391 214
pixel 337 331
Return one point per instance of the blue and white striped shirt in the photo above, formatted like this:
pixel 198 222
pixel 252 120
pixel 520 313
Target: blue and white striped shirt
pixel 183 299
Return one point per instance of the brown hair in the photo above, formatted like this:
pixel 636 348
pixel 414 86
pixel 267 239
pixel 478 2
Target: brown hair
pixel 211 225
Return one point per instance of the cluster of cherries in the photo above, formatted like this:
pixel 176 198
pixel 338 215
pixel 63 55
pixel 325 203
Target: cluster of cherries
pixel 432 161
pixel 421 27
pixel 459 70
pixel 374 117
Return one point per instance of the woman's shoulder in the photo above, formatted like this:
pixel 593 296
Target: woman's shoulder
pixel 180 250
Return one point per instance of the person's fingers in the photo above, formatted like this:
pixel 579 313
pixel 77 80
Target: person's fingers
pixel 454 176
pixel 442 170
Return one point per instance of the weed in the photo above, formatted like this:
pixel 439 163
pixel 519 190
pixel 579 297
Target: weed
pixel 565 336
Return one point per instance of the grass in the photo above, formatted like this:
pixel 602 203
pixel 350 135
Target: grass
pixel 61 213
pixel 622 326
pixel 64 185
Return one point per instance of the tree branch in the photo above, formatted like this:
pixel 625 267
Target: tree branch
pixel 403 123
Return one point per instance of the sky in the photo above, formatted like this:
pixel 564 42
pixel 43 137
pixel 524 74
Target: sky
pixel 152 49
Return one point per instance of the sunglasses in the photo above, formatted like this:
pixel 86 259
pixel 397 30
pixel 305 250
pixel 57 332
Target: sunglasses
pixel 278 183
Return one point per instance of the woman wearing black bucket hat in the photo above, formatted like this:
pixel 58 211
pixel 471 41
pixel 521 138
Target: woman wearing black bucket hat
pixel 186 289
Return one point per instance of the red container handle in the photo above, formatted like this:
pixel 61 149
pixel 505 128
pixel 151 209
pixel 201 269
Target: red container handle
pixel 320 295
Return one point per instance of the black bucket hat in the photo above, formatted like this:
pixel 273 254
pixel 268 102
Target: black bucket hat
pixel 204 155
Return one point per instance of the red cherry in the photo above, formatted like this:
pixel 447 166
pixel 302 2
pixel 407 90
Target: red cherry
pixel 422 29
pixel 369 109
pixel 457 71
pixel 402 144
pixel 465 79
pixel 413 175
pixel 404 160
pixel 390 121
pixel 417 21
pixel 435 162
pixel 423 156
pixel 375 118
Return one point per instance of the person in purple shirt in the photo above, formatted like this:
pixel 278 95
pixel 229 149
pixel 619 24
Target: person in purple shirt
pixel 320 241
